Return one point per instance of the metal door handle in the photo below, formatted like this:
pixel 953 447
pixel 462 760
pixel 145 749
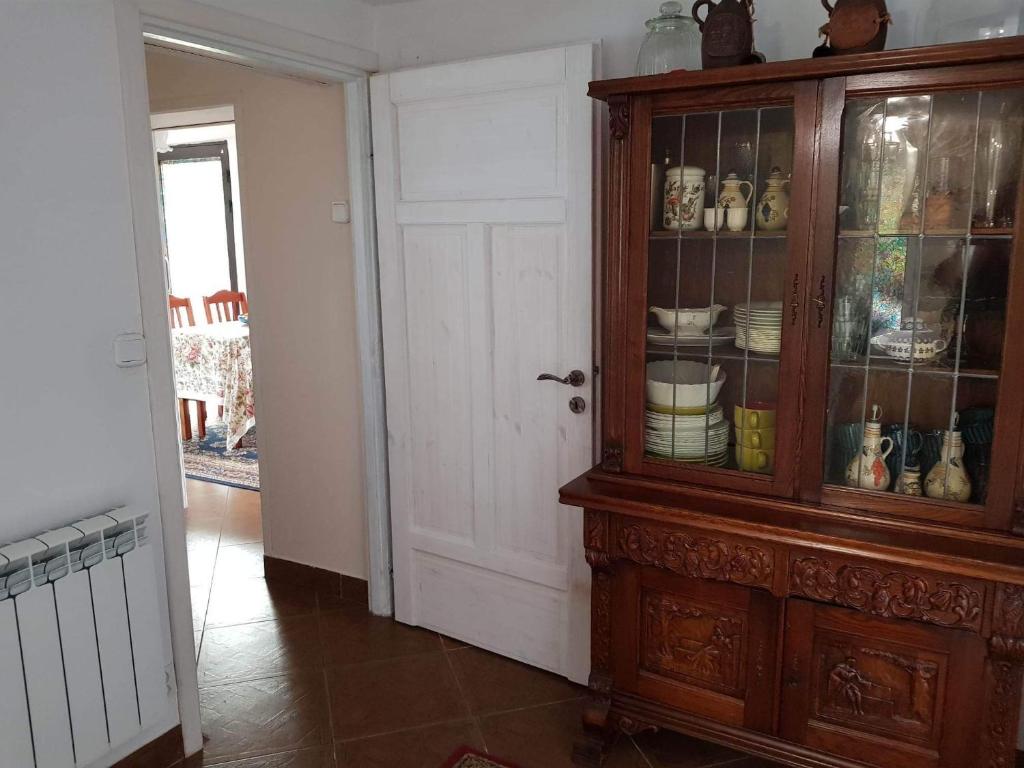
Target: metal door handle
pixel 574 379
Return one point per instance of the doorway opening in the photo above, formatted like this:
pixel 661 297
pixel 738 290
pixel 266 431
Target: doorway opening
pixel 197 173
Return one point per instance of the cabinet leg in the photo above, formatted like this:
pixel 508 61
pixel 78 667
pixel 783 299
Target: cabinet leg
pixel 599 732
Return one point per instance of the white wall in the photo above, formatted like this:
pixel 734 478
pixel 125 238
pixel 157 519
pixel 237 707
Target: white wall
pixel 432 31
pixel 291 165
pixel 77 430
pixel 345 21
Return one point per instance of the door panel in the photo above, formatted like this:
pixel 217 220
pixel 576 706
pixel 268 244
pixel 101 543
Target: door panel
pixel 698 646
pixel 891 693
pixel 483 199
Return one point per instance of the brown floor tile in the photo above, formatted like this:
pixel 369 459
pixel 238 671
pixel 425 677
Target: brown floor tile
pixel 750 762
pixel 200 602
pixel 306 758
pixel 381 696
pixel 493 683
pixel 625 754
pixel 666 749
pixel 351 635
pixel 451 644
pixel 202 494
pixel 262 717
pixel 239 561
pixel 202 559
pixel 540 737
pixel 417 748
pixel 242 527
pixel 241 601
pixel 262 649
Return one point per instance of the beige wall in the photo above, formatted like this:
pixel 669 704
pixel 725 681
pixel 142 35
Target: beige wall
pixel 292 164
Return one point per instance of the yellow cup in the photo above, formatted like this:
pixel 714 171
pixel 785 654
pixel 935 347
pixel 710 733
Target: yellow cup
pixel 754 416
pixel 755 459
pixel 756 438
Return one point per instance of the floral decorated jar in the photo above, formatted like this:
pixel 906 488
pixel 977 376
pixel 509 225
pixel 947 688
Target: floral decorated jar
pixel 684 198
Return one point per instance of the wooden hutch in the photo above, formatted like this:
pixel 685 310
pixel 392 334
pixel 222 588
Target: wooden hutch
pixel 751 586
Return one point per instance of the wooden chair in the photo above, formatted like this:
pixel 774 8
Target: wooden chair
pixel 229 305
pixel 176 305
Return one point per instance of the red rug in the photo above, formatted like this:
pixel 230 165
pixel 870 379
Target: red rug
pixel 471 758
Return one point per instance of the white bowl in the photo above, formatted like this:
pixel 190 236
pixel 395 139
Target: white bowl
pixel 687 379
pixel 688 319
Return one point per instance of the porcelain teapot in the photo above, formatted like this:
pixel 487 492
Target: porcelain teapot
pixel 926 342
pixel 772 212
pixel 732 192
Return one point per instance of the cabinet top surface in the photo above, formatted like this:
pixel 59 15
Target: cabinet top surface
pixel 976 52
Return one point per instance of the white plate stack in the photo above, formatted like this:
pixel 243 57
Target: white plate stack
pixel 682 434
pixel 759 326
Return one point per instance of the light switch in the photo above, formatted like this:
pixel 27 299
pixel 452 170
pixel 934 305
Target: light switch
pixel 130 350
pixel 340 214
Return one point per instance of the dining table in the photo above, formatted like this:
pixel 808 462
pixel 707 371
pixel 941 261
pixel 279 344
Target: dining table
pixel 213 363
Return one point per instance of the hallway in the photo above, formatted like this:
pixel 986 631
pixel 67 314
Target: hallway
pixel 293 679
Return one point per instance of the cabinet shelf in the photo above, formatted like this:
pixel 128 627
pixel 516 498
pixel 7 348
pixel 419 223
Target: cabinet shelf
pixel 938 370
pixel 999 233
pixel 703 234
pixel 717 353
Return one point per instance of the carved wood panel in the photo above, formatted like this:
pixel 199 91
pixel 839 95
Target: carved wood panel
pixel 595 537
pixel 899 594
pixel 696 555
pixel 876 687
pixel 693 641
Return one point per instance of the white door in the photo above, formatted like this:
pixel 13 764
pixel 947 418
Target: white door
pixel 483 174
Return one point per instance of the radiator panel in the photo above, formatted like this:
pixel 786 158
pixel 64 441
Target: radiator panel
pixel 44 677
pixel 82 648
pixel 15 731
pixel 85 685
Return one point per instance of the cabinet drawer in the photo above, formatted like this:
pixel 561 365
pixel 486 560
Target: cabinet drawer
pixel 702 647
pixel 889 693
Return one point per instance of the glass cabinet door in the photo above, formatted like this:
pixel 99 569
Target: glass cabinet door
pixel 718 287
pixel 926 215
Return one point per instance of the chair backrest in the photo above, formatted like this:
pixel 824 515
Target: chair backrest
pixel 176 304
pixel 228 305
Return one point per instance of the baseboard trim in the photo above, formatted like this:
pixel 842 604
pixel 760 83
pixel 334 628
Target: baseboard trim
pixel 328 584
pixel 162 752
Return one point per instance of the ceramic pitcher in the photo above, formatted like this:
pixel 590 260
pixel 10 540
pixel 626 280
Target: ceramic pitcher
pixel 732 192
pixel 948 479
pixel 772 211
pixel 868 469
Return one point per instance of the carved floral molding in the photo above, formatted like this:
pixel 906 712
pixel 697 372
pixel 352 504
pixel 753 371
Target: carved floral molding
pixel 892 594
pixel 696 556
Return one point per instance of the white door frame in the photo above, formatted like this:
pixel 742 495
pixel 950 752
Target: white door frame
pixel 219 34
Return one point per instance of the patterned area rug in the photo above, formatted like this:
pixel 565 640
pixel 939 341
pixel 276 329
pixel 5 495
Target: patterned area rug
pixel 470 758
pixel 205 459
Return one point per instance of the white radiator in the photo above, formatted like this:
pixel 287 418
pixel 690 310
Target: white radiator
pixel 81 653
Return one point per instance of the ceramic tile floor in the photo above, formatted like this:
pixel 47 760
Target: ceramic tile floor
pixel 292 679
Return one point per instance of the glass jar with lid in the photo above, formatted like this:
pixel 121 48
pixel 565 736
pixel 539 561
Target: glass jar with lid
pixel 672 42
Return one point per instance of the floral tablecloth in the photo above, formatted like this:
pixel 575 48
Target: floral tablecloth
pixel 214 363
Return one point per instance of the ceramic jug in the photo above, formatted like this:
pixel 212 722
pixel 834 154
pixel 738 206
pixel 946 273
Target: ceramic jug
pixel 856 26
pixel 732 192
pixel 909 481
pixel 868 469
pixel 727 32
pixel 772 211
pixel 948 479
